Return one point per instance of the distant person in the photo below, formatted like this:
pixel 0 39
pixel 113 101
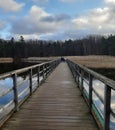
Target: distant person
pixel 62 59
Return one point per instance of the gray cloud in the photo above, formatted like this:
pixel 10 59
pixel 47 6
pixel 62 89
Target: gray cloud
pixel 11 5
pixel 44 23
pixel 39 23
pixel 100 20
pixel 69 1
pixel 56 18
pixel 40 1
pixel 25 26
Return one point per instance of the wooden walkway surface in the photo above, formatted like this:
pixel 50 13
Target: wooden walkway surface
pixel 56 105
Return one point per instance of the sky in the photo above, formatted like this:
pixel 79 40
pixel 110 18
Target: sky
pixel 56 19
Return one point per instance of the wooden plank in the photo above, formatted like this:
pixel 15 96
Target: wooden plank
pixel 56 105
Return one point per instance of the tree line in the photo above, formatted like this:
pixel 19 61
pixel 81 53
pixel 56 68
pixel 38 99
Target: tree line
pixel 91 45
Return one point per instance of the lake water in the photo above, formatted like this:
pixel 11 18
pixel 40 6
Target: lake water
pixel 7 101
pixel 98 86
pixel 13 66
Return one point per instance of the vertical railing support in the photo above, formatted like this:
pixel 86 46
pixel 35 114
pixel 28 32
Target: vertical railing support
pixel 38 75
pixel 47 69
pixel 43 71
pixel 16 108
pixel 30 81
pixel 78 77
pixel 55 64
pixel 90 91
pixel 107 109
pixel 82 77
pixel 74 71
pixel 76 74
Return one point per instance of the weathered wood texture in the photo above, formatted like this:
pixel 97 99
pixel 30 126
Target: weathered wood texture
pixel 56 105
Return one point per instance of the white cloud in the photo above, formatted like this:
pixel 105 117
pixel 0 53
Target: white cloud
pixel 37 13
pixel 11 5
pixel 68 1
pixel 100 20
pixel 110 1
pixel 39 22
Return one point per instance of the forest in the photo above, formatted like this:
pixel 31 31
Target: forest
pixel 91 45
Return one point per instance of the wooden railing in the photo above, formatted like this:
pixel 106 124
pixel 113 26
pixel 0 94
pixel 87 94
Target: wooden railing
pixel 23 83
pixel 85 79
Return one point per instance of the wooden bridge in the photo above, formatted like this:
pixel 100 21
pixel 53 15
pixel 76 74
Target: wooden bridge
pixel 57 103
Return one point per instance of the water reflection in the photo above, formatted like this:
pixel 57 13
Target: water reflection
pixel 98 87
pixel 23 88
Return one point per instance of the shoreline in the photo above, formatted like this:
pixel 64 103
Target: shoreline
pixel 6 60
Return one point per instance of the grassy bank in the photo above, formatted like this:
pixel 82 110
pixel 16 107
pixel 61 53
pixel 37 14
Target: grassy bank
pixel 104 65
pixel 6 60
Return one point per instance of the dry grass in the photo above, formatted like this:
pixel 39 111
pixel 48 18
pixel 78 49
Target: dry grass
pixel 94 61
pixel 6 60
pixel 38 59
pixel 42 58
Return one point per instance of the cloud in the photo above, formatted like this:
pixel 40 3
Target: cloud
pixel 42 23
pixel 68 1
pixel 40 1
pixel 11 5
pixel 38 23
pixel 100 20
pixel 56 18
pixel 110 1
pixel 64 35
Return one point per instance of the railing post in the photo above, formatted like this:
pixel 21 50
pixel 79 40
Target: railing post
pixel 82 77
pixel 52 65
pixel 38 75
pixel 74 71
pixel 76 74
pixel 55 63
pixel 43 71
pixel 47 69
pixel 107 109
pixel 30 81
pixel 90 91
pixel 16 108
pixel 78 77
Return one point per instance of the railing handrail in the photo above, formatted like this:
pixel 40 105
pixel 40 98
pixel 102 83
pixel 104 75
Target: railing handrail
pixel 42 69
pixel 109 85
pixel 104 79
pixel 18 71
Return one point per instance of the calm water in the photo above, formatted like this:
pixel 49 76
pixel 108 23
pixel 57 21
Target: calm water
pixel 98 86
pixel 13 66
pixel 7 83
pixel 110 73
pixel 7 101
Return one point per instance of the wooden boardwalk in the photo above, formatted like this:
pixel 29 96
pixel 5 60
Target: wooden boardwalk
pixel 56 105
